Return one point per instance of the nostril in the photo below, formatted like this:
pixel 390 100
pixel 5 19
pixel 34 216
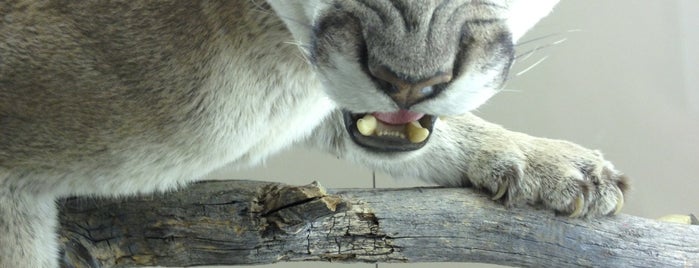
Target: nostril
pixel 387 87
pixel 436 89
pixel 405 91
pixel 428 90
pixel 384 76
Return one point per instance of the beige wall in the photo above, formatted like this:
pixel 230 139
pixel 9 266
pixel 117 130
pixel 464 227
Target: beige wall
pixel 624 82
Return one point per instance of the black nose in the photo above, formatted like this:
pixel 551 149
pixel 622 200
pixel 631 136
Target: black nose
pixel 406 93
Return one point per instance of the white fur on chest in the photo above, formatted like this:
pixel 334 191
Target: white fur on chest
pixel 265 107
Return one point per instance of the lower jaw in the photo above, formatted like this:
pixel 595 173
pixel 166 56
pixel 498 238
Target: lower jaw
pixel 385 144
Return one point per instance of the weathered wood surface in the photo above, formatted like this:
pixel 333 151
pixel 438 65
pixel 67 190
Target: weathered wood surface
pixel 242 222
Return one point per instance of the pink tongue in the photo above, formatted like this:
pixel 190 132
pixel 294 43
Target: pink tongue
pixel 399 117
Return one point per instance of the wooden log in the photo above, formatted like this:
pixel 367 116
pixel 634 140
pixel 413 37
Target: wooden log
pixel 244 222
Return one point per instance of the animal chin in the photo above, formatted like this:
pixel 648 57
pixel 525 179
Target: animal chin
pixel 399 131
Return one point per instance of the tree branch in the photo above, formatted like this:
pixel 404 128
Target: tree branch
pixel 243 222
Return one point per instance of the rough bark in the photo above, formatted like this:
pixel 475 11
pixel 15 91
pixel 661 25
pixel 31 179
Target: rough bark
pixel 243 222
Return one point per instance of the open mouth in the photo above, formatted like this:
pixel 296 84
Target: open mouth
pixel 390 132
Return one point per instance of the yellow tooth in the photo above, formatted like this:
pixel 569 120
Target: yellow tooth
pixel 367 125
pixel 416 133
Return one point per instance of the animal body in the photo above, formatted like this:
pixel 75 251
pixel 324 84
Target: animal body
pixel 113 98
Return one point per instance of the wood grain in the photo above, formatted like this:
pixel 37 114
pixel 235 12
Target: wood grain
pixel 244 222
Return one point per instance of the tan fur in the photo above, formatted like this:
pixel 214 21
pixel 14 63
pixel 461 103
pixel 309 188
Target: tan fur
pixel 125 97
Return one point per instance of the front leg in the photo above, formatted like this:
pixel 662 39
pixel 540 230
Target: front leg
pixel 28 223
pixel 514 167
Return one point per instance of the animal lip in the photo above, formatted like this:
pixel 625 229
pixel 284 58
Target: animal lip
pixel 399 131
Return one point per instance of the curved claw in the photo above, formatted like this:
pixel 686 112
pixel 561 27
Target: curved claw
pixel 501 191
pixel 579 204
pixel 619 204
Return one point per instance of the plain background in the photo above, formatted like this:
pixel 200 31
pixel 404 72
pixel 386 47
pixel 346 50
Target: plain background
pixel 625 81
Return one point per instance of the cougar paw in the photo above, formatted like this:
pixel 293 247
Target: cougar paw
pixel 557 175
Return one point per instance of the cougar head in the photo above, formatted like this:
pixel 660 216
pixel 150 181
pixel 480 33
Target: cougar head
pixel 394 66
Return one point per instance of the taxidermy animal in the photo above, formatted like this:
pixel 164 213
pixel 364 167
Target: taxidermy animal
pixel 114 98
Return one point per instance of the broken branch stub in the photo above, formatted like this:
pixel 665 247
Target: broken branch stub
pixel 291 208
pixel 207 223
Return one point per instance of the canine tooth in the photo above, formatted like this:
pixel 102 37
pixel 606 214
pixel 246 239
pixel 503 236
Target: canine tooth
pixel 417 133
pixel 366 125
pixel 414 124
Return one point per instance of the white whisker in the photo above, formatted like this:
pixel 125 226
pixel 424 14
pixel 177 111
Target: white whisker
pixel 546 36
pixel 302 48
pixel 529 53
pixel 532 66
pixel 559 41
pixel 509 90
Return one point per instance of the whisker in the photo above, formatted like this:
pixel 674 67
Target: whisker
pixel 532 66
pixel 531 52
pixel 259 7
pixel 303 48
pixel 510 90
pixel 546 37
pixel 258 4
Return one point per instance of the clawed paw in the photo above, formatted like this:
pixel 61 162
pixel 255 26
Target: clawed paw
pixel 557 175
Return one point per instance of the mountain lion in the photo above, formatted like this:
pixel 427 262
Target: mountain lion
pixel 114 98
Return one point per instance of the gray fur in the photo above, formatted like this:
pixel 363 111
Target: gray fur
pixel 125 97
